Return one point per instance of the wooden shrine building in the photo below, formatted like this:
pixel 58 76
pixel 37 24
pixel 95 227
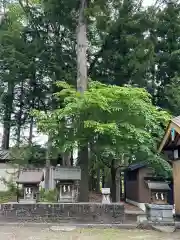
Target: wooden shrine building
pixel 30 180
pixel 170 146
pixel 141 186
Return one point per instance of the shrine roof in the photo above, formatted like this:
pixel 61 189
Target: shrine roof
pixel 32 176
pixel 158 185
pixel 167 142
pixel 136 166
pixel 176 120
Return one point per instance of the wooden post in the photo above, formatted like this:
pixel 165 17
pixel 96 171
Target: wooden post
pixel 176 178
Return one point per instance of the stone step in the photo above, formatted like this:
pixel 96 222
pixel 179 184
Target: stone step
pixel 166 229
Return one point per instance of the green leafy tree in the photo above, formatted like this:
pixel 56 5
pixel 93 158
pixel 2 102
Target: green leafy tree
pixel 165 32
pixel 117 120
pixel 172 96
pixel 10 66
pixel 123 50
pixel 26 155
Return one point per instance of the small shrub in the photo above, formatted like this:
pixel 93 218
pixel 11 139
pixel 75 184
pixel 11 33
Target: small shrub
pixel 11 193
pixel 48 195
pixel 11 186
pixel 7 196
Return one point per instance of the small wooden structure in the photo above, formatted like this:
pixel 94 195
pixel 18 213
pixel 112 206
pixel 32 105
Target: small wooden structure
pixel 30 180
pixel 142 187
pixel 158 191
pixel 170 146
pixel 67 183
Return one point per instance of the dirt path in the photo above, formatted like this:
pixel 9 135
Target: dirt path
pixel 35 233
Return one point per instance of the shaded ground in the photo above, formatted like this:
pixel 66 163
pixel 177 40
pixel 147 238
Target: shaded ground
pixel 97 197
pixel 130 207
pixel 35 233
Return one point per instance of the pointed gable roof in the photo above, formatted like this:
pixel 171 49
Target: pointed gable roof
pixel 166 141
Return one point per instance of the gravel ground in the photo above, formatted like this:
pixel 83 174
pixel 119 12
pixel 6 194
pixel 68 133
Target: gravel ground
pixel 37 233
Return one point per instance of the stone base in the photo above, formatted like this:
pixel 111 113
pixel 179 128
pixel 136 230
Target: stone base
pixel 64 212
pixel 25 201
pixel 159 213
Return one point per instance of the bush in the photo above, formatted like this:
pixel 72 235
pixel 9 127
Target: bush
pixel 11 186
pixel 11 193
pixel 48 195
pixel 7 196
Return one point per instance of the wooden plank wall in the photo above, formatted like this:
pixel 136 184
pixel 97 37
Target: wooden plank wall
pixel 176 177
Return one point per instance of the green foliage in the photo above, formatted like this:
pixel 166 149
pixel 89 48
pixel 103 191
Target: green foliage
pixel 124 53
pixel 25 154
pixel 11 193
pixel 6 197
pixel 48 195
pixel 172 93
pixel 11 186
pixel 118 120
pixel 165 35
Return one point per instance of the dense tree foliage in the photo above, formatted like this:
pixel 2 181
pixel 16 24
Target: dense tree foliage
pixel 115 120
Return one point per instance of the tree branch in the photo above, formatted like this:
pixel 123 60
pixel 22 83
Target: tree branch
pixel 106 164
pixel 121 166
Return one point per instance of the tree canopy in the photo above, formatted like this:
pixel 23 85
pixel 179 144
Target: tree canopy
pixel 116 120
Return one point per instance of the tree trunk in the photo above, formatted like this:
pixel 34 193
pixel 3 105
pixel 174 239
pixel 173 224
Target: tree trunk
pixel 82 82
pixel 33 84
pixel 30 138
pixel 113 180
pixel 48 163
pixel 118 185
pixel 98 181
pixel 67 158
pixel 92 182
pixel 19 117
pixel 84 183
pixel 72 159
pixel 103 178
pixel 7 116
pixel 18 139
pixel 53 105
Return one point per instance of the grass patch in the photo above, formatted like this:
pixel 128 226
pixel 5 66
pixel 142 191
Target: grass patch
pixel 86 234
